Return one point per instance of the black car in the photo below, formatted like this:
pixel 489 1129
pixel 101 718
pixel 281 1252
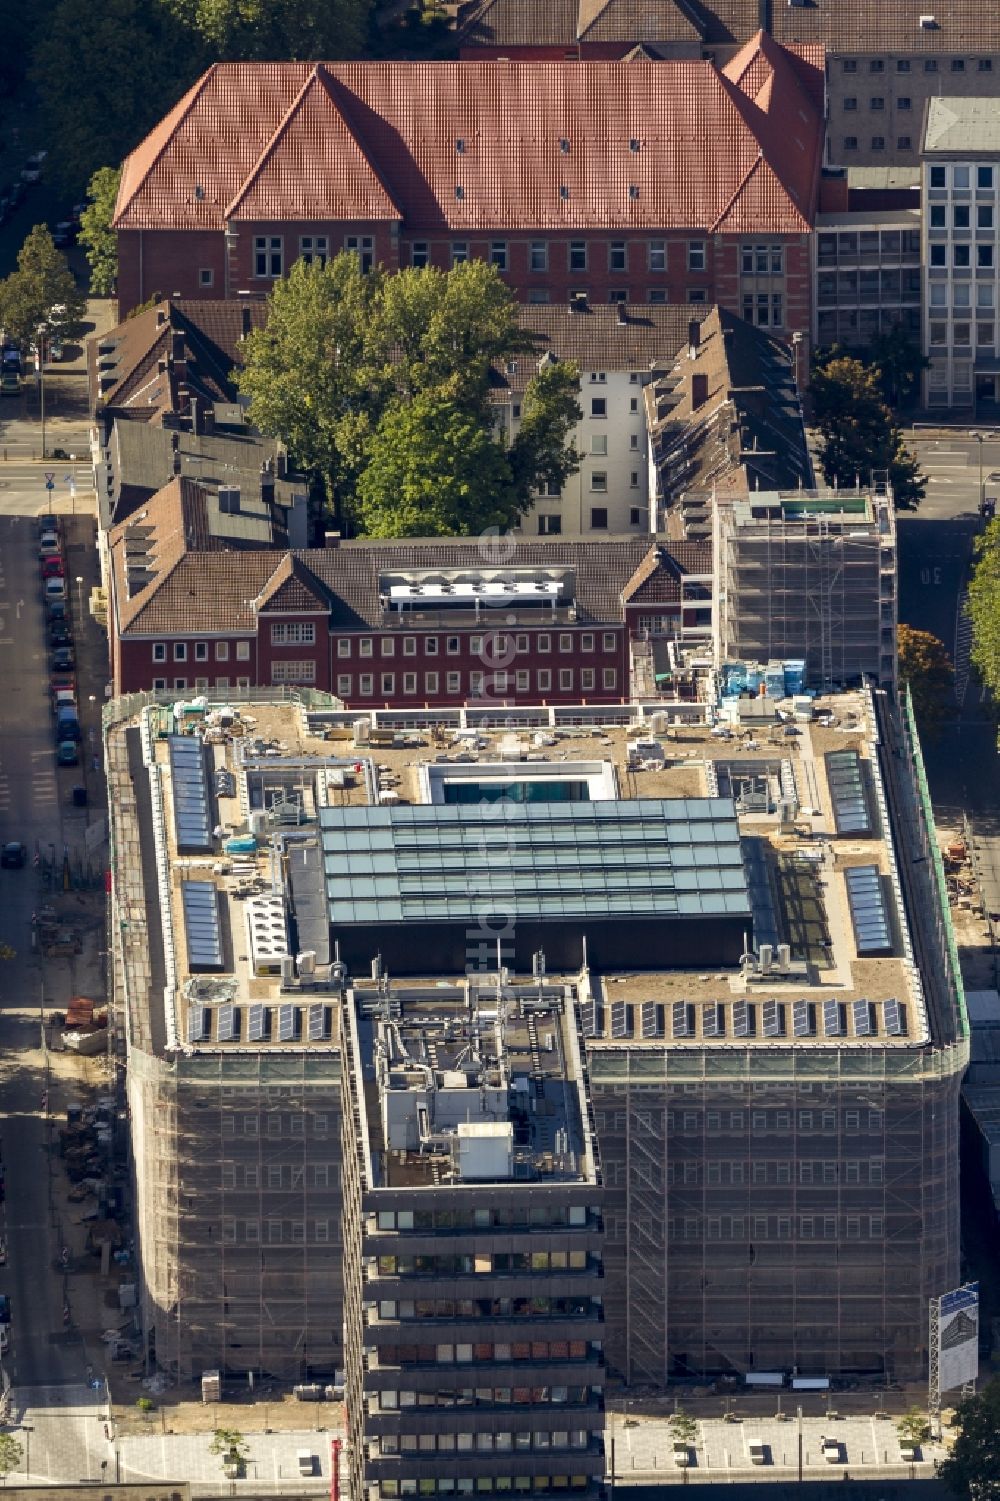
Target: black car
pixel 60 633
pixel 56 609
pixel 47 522
pixel 63 657
pixel 13 855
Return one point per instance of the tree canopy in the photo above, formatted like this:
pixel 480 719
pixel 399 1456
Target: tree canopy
pixel 275 28
pixel 859 438
pixel 984 607
pixel 925 668
pixel 96 235
pixel 42 282
pixel 11 1454
pixel 381 385
pixel 972 1469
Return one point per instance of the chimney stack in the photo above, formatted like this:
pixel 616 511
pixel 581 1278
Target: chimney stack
pixel 694 338
pixel 197 426
pixel 161 317
pixel 621 313
pixel 246 320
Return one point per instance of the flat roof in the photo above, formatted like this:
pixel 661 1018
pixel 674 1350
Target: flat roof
pixel 962 126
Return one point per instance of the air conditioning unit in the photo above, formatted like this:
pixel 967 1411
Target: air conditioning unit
pixel 928 23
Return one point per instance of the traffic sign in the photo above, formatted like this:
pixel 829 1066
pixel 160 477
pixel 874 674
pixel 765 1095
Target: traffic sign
pixel 50 480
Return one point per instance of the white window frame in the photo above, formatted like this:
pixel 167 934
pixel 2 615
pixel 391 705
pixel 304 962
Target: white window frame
pixel 268 257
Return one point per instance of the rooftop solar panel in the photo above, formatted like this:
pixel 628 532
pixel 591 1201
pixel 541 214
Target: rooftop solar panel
pixel 863 1021
pixel 833 1019
pixel 227 1028
pixel 198 1024
pixel 802 1019
pixel 590 1018
pixel 773 1019
pixel 869 914
pixel 257 1023
pixel 319 1023
pixel 713 1020
pixel 682 1019
pixel 621 1019
pixel 895 1018
pixel 742 1019
pixel 288 1021
pixel 652 1019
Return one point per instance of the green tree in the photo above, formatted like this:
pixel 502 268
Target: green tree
pixel 683 1427
pixel 925 668
pixel 972 1469
pixel 275 28
pixel 109 72
pixel 897 358
pixel 97 237
pixel 41 282
pixel 913 1427
pixel 344 354
pixel 434 470
pixel 859 439
pixel 11 1454
pixel 984 607
pixel 233 1448
pixel 304 372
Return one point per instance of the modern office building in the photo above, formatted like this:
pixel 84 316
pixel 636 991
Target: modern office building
pixel 868 278
pixel 473 1232
pixel 812 575
pixel 960 179
pixel 687 980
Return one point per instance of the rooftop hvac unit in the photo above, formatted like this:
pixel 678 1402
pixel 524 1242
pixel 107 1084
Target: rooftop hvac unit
pixel 307 962
pixel 362 730
pixel 658 722
pixel 258 822
pixel 765 957
pixel 784 955
pixel 287 969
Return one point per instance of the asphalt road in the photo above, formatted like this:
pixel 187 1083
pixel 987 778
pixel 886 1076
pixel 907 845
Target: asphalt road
pixel 935 552
pixel 34 807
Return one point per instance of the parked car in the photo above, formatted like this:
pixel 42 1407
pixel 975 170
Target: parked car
pixel 60 633
pixel 13 855
pixel 4 1309
pixel 55 588
pixel 63 658
pixel 56 609
pixel 53 567
pixel 63 698
pixel 68 725
pixel 62 678
pixel 47 522
pixel 10 383
pixel 49 545
pixel 67 753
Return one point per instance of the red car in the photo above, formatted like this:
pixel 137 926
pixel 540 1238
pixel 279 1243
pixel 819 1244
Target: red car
pixel 62 679
pixel 53 568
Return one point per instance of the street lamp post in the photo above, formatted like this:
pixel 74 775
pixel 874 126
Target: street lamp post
pixel 79 601
pixel 40 356
pixel 980 439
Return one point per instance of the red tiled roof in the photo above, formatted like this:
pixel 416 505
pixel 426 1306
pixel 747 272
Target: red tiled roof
pixel 286 141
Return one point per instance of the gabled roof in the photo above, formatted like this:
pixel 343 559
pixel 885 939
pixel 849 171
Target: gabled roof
pixel 657 580
pixel 608 20
pixel 313 168
pixel 292 586
pixel 382 139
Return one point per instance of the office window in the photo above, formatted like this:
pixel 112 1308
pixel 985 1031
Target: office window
pixel 696 255
pixel 902 65
pixel 985 65
pixel 430 683
pixel 420 253
pixel 459 252
pixel 961 294
pixel 878 143
pixel 522 680
pixel 544 680
pixel 565 641
pixel 984 255
pixel 984 177
pixel 588 679
pixel 851 103
pixel 764 309
pixel 937 220
pixel 984 294
pixel 454 682
pixel 635 516
pixel 762 260
pixel 657 255
pixel 958 65
pixel 961 212
pixel 313 248
pixel 903 102
pixel 430 646
pixel 180 651
pixel 608 641
pixel 960 177
pixel 937 177
pixel 599 481
pixel 599 444
pixel 617 256
pixel 961 256
pixel 267 255
pixel 985 333
pixel 598 406
pixel 930 65
pixel 903 143
pixel 577 255
pixel 388 682
pixel 609 677
pixel 201 651
pixel 618 294
pixel 538 256
pixel 877 102
pixel 565 680
pixel 633 479
pixel 344 685
pixel 498 254
pixel 293 672
pixel 599 518
pixel 938 255
pixel 293 634
pixel 159 651
pixel 363 246
pixel 366 685
pixel 549 526
pixel 160 685
pixel 876 65
pixel 180 684
pixel 850 143
pixel 206 278
pixel 850 65
pixel 544 642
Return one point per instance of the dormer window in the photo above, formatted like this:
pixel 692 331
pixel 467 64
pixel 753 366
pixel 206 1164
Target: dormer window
pixel 633 144
pixel 460 146
pixel 564 191
pixel 459 191
pixel 564 146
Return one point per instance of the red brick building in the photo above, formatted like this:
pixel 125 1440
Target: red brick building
pixel 632 181
pixel 194 604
